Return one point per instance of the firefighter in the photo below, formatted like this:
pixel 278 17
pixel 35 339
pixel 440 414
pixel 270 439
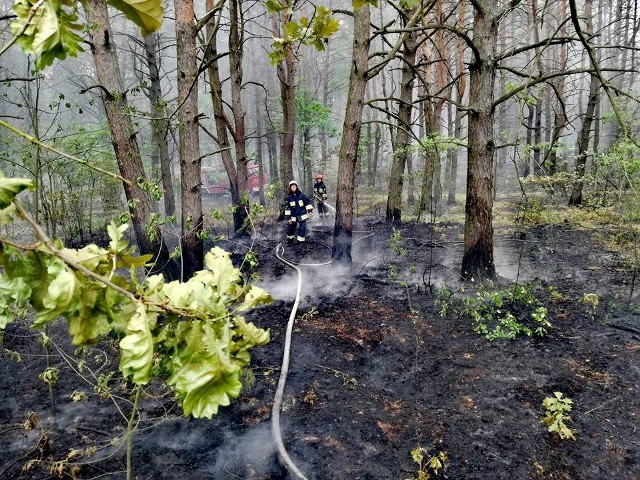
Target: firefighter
pixel 297 209
pixel 320 195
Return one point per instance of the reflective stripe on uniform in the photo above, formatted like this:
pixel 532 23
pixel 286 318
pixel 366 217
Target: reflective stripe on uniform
pixel 300 239
pixel 287 213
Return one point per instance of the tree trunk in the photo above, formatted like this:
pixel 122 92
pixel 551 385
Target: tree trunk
pixel 159 123
pixel 123 135
pixel 582 143
pixel 189 139
pixel 399 162
pixel 343 228
pixel 477 261
pixel 259 148
pixel 324 98
pixel 461 88
pixel 274 168
pixel 559 117
pixel 526 167
pixel 287 77
pixel 240 213
pixel 221 121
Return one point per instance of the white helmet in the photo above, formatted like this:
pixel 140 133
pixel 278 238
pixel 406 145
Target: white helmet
pixel 293 182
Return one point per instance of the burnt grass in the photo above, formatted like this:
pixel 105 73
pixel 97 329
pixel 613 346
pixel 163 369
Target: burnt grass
pixel 375 372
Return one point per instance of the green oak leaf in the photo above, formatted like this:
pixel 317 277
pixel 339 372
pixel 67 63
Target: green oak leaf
pixel 251 334
pixel 7 214
pixel 59 297
pixel 273 6
pixel 277 55
pixel 91 321
pixel 16 290
pixel 292 30
pixel 52 31
pixel 147 14
pixel 254 297
pixel 324 24
pixel 137 346
pixel 10 187
pixel 91 256
pixel 118 243
pixel 225 275
pixel 205 383
pixel 362 3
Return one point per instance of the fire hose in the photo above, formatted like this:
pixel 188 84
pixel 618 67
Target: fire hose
pixel 277 402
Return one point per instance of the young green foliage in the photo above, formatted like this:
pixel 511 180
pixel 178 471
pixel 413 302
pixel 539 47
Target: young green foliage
pixel 502 314
pixel 50 29
pixel 428 466
pixel 314 31
pixel 191 333
pixel 555 410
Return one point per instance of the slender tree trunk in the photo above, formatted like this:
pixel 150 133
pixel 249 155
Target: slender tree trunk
pixel 377 144
pixel 582 143
pixel 559 117
pixel 461 88
pixel 259 149
pixel 531 113
pixel 396 179
pixel 221 121
pixel 477 260
pixel 343 228
pixel 189 139
pixel 239 137
pixel 435 73
pixel 159 123
pixel 369 148
pixel 411 194
pixel 324 98
pixel 123 135
pixel 286 71
pixel 272 148
pixel 537 139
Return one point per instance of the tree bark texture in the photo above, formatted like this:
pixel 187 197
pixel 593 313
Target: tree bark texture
pixel 189 139
pixel 236 31
pixel 123 135
pixel 403 130
pixel 477 261
pixel 219 115
pixel 343 228
pixel 159 123
pixel 460 88
pixel 582 143
pixel 287 77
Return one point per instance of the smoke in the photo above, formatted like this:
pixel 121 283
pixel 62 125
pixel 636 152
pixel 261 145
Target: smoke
pixel 252 452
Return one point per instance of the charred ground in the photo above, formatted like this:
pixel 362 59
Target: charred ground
pixel 376 371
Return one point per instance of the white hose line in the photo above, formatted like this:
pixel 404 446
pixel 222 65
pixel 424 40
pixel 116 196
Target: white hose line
pixel 277 402
pixel 284 370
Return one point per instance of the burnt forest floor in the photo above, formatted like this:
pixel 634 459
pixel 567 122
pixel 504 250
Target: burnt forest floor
pixel 382 362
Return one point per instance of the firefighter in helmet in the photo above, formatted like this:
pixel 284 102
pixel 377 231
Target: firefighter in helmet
pixel 320 196
pixel 298 209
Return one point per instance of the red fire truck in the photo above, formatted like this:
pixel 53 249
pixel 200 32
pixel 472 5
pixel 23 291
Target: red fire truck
pixel 216 183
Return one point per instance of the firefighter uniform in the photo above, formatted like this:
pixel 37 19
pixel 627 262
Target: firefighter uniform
pixel 298 208
pixel 320 194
